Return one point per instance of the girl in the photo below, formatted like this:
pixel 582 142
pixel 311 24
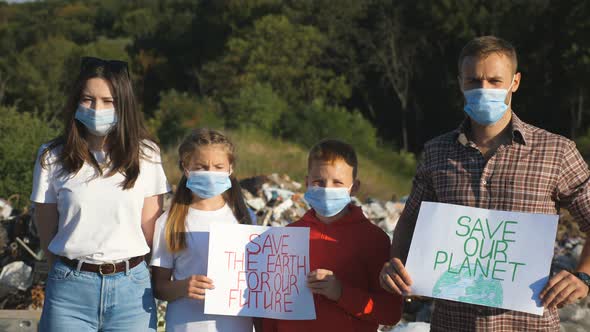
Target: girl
pixel 98 190
pixel 207 193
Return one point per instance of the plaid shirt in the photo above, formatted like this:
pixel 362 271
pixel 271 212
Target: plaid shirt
pixel 538 172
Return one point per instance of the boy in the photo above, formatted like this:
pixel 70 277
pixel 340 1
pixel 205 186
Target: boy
pixel 346 250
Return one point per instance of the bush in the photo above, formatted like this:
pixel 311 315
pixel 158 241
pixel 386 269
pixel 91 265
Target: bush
pixel 256 105
pixel 21 134
pixel 178 113
pixel 318 121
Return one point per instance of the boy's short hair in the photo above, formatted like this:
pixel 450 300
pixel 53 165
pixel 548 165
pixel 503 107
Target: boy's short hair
pixel 481 47
pixel 330 150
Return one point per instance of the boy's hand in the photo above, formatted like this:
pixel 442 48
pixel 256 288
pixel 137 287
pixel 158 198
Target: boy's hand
pixel 196 286
pixel 325 283
pixel 394 278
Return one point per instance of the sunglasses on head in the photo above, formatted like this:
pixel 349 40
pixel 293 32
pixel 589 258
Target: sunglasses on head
pixel 114 66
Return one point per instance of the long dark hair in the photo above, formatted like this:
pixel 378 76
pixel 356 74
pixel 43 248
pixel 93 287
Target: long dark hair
pixel 175 223
pixel 126 143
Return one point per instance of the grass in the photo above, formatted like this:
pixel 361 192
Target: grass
pixel 262 154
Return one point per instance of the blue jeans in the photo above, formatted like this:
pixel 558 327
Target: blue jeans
pixel 86 301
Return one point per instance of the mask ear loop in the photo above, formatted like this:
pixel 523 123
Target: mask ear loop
pixel 510 88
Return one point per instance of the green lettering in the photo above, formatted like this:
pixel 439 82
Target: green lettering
pixel 501 250
pixel 479 228
pixel 466 265
pixel 436 259
pixel 465 246
pixel 478 263
pixel 463 225
pixel 506 223
pixel 515 266
pixel 496 269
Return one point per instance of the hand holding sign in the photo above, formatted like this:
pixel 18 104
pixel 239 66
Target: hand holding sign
pixel 325 283
pixel 394 277
pixel 196 286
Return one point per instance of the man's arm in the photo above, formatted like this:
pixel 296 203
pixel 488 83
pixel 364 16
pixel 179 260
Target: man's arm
pixel 393 277
pixel 573 193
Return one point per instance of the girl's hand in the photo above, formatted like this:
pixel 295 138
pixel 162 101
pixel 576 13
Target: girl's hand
pixel 325 283
pixel 196 286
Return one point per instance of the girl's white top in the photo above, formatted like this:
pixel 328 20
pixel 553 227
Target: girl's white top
pixel 186 314
pixel 98 220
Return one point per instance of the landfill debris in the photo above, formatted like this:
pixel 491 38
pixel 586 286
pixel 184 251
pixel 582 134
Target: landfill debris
pixel 5 209
pixel 16 275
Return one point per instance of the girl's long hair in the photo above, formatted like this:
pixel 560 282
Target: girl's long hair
pixel 175 224
pixel 126 143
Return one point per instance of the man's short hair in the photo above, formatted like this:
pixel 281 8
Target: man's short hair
pixel 330 150
pixel 481 47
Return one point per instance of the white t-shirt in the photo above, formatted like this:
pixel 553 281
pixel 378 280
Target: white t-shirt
pixel 184 314
pixel 98 220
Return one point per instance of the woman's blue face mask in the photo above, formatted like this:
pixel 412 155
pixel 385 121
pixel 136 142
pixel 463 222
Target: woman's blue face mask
pixel 98 123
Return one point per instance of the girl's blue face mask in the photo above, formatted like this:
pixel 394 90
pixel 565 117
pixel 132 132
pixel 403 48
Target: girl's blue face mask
pixel 486 106
pixel 207 184
pixel 98 123
pixel 327 202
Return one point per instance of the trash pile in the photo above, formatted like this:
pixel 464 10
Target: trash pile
pixel 278 201
pixel 23 274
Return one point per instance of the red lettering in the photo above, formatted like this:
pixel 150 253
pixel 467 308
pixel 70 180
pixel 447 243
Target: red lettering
pixel 250 261
pixel 229 255
pixel 264 276
pixel 277 282
pixel 254 243
pixel 269 262
pixel 243 279
pixel 302 266
pixel 231 297
pixel 287 302
pixel 293 283
pixel 256 280
pixel 267 244
pixel 285 245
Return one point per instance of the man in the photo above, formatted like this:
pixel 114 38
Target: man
pixel 496 161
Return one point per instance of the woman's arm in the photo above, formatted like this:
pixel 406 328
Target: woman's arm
pixel 169 290
pixel 152 209
pixel 46 220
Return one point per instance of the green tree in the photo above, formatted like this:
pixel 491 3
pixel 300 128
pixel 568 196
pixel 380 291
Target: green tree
pixel 179 112
pixel 255 105
pixel 283 54
pixel 21 134
pixel 44 72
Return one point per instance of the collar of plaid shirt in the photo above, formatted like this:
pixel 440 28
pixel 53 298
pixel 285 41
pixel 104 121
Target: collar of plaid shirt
pixel 520 132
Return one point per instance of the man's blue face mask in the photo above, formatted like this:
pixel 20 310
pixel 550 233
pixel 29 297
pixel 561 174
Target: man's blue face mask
pixel 486 106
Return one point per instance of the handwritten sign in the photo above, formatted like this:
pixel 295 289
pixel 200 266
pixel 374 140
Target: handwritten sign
pixel 492 258
pixel 259 272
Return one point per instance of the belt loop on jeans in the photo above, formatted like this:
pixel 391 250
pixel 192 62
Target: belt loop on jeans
pixel 126 267
pixel 78 267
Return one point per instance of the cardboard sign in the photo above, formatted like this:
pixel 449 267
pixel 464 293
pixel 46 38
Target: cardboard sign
pixel 491 258
pixel 259 272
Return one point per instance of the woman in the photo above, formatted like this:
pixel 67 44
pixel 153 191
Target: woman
pixel 98 190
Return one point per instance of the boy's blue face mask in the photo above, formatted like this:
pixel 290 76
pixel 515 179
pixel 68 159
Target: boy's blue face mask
pixel 207 184
pixel 327 202
pixel 98 123
pixel 486 106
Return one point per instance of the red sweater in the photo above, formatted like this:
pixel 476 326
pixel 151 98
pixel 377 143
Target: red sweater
pixel 355 250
